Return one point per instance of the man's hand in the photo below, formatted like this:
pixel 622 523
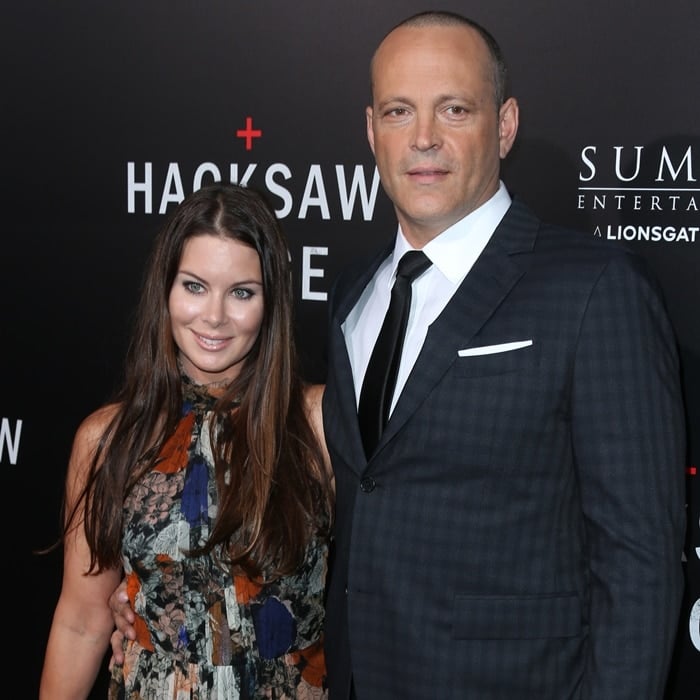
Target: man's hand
pixel 124 620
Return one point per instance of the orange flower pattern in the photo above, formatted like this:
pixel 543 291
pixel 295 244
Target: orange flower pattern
pixel 200 632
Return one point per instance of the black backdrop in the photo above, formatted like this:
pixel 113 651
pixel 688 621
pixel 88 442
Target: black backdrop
pixel 112 112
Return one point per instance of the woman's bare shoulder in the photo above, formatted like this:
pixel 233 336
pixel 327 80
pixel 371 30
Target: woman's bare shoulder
pixel 90 432
pixel 314 405
pixel 93 426
pixel 313 394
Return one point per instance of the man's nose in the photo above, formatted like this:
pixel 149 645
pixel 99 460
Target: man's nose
pixel 427 133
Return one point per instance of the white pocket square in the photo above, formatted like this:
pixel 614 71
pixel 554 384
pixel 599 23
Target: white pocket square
pixel 491 349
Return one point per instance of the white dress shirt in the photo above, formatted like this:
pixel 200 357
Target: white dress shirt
pixel 452 253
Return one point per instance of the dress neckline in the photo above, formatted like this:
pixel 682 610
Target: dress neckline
pixel 203 394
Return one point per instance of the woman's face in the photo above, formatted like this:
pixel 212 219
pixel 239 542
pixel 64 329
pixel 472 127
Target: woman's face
pixel 216 307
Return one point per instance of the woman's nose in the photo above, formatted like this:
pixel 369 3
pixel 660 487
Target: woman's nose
pixel 215 310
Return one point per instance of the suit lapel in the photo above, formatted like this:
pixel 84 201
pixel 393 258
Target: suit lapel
pixel 494 274
pixel 351 444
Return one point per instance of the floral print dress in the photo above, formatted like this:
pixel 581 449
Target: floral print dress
pixel 200 632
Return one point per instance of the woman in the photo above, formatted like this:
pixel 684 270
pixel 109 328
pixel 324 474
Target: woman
pixel 206 482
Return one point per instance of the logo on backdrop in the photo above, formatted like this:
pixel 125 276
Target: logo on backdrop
pixel 642 193
pixel 249 133
pixel 9 440
pixel 349 189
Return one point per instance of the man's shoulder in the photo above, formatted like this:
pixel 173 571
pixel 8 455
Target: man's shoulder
pixel 565 238
pixel 565 251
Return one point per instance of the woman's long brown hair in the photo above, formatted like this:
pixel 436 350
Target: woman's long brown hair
pixel 274 494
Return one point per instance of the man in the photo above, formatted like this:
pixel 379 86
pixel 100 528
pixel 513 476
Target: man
pixel 517 530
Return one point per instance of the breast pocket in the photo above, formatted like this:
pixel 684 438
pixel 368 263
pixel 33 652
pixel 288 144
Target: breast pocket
pixel 495 359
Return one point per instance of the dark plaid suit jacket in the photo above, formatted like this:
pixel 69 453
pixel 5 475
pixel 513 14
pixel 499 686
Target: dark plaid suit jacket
pixel 517 534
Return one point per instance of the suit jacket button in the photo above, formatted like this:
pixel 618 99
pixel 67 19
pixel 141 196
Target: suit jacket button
pixel 367 484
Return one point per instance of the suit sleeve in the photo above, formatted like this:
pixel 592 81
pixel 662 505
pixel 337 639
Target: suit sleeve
pixel 629 440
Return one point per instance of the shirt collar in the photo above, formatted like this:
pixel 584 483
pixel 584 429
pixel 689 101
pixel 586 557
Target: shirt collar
pixel 456 249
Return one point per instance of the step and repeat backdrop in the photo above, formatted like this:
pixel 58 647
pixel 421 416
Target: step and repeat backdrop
pixel 114 111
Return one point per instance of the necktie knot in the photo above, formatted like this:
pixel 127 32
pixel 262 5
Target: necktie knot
pixel 412 264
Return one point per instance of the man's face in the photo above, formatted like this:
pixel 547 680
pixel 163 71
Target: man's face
pixel 434 127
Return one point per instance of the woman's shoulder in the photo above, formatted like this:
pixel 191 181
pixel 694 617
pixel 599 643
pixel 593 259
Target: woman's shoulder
pixel 86 443
pixel 313 395
pixel 94 426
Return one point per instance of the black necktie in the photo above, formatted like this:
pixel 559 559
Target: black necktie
pixel 380 378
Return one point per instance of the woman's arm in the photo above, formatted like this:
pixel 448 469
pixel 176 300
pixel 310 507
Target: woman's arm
pixel 314 397
pixel 82 621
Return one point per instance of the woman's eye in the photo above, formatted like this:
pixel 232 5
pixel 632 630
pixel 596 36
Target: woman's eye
pixel 194 287
pixel 242 293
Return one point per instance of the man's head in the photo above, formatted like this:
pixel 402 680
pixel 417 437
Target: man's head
pixel 439 123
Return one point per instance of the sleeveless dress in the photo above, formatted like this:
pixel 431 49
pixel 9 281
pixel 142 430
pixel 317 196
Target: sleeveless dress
pixel 200 632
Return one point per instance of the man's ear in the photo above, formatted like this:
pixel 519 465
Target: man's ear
pixel 370 131
pixel 508 117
